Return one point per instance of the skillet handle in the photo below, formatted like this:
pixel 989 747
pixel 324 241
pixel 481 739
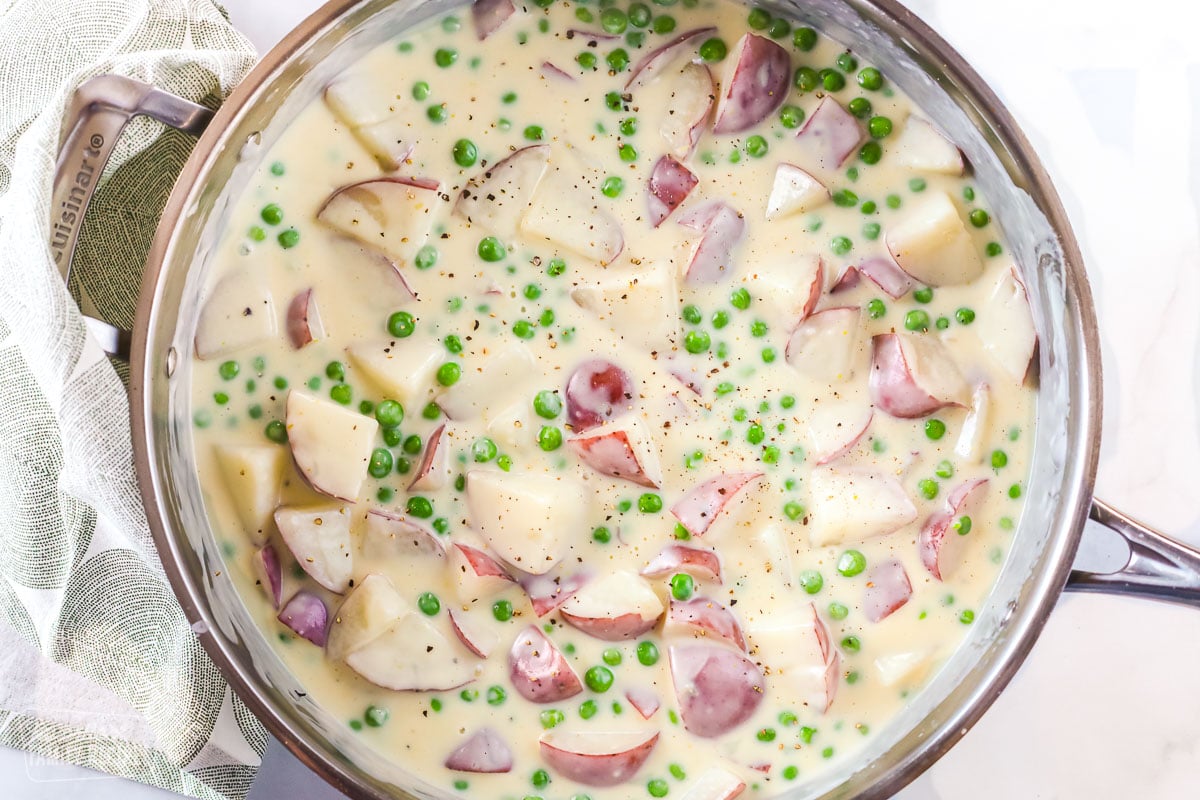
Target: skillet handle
pixel 1158 568
pixel 99 111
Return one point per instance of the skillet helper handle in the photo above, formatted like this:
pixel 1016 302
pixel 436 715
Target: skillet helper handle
pixel 99 111
pixel 1158 568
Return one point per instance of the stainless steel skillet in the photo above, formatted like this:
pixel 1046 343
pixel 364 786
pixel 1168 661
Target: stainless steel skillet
pixel 1059 496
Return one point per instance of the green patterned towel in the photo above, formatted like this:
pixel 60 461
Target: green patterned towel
pixel 98 666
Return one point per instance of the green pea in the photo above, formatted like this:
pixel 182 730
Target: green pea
pixel 617 60
pixel 965 316
pixel 276 431
pixel 791 116
pixel 613 20
pixel 421 508
pixel 437 113
pixel 832 80
pixel 381 463
pixel 549 438
pixel 811 581
pixel 859 107
pixel 491 249
pixel 720 319
pixel 851 644
pixel 445 56
pixel 602 535
pixel 942 323
pixel 483 450
pixel 1014 491
pixel 916 320
pixel 871 231
pixel 916 184
pixel 879 127
pixel 465 153
pixel 412 444
pixel 999 459
pixel 502 610
pixel 844 198
pixel 713 50
pixel 289 238
pixel 765 735
pixel 870 79
pixel 588 709
pixel 697 341
pixel 271 214
pixel 449 373
pixel 523 329
pixel 944 468
pixel 426 257
pixel 342 393
pixel 429 604
pixel 756 146
pixel 403 465
pixel 893 201
pixel 979 218
pixel 870 153
pixel 966 617
pixel 650 503
pixel 534 133
pixel 851 563
pixel 599 679
pixel 586 59
pixel 804 39
pixel 682 586
pixel 392 437
pixel 876 308
pixel 993 249
pixel 628 127
pixel 962 525
pixel 401 324
pixel 540 778
pixel 928 488
pixel 793 510
pixel 612 186
pixel 758 19
pixel 779 28
pixel 838 611
pixel 611 656
pixel 657 787
pixel 841 245
pixel 647 653
pixel 790 772
pixel 923 295
pixel 375 716
pixel 257 234
pixel 639 15
pixel 740 299
pixel 496 695
pixel 755 434
pixel 806 79
pixel 420 90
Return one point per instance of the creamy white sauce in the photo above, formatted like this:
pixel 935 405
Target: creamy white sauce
pixel 794 520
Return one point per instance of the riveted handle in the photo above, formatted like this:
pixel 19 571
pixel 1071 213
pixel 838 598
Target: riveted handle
pixel 100 109
pixel 1159 567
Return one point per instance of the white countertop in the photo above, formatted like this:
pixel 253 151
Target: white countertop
pixel 1108 704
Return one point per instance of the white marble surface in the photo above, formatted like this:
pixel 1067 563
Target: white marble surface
pixel 1108 704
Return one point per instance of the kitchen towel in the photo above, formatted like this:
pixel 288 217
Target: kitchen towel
pixel 98 665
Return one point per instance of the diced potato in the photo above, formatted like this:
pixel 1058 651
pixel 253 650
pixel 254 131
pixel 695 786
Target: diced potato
pixel 639 306
pixel 253 474
pixel 319 538
pixel 849 505
pixel 239 312
pixel 392 215
pixel 490 389
pixel 413 655
pixel 367 612
pixel 527 519
pixel 404 369
pixel 932 244
pixel 330 443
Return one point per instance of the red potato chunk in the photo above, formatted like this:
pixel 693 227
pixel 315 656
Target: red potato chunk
pixel 830 134
pixel 945 537
pixel 477 576
pixel 304 319
pixel 307 616
pixel 669 185
pixel 484 751
pixel 547 593
pixel 596 392
pixel 489 15
pixel 616 607
pixel 722 228
pixel 701 618
pixel 269 574
pixel 717 688
pixel 699 507
pixel 700 563
pixel 656 62
pixel 913 376
pixel 597 758
pixel 539 671
pixel 620 450
pixel 888 588
pixel 754 85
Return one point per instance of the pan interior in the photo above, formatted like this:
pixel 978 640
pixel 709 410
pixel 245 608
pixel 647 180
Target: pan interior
pixel 925 68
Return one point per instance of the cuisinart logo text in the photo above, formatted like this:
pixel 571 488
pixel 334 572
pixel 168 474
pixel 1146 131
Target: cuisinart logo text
pixel 70 210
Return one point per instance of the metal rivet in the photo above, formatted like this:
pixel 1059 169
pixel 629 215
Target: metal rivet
pixel 172 361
